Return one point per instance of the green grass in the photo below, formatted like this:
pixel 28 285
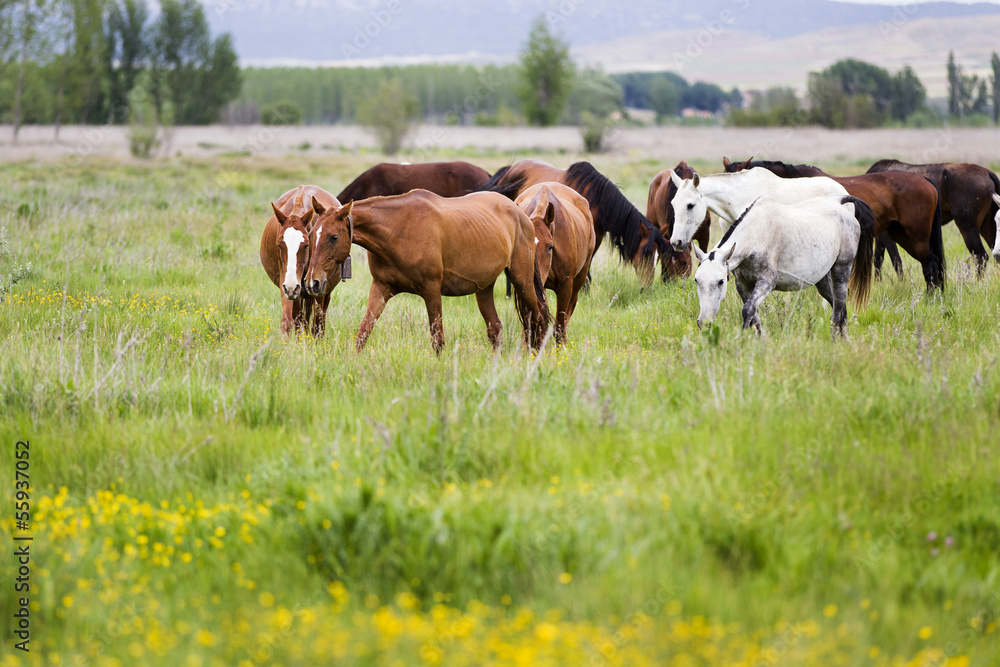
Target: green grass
pixel 766 482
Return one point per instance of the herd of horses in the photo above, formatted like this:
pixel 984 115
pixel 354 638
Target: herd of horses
pixel 452 228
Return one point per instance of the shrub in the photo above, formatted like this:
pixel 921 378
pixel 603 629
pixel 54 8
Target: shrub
pixel 281 113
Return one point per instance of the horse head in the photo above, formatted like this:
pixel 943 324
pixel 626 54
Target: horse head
pixel 733 167
pixel 330 241
pixel 711 280
pixel 293 249
pixel 996 220
pixel 543 218
pixel 689 210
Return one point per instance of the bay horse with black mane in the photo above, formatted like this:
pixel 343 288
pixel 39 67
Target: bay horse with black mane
pixel 285 252
pixel 637 241
pixel 659 212
pixel 564 243
pixel 907 208
pixel 448 179
pixel 422 243
pixel 970 195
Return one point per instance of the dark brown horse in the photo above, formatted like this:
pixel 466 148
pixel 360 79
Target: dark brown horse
pixel 421 243
pixel 969 196
pixel 637 241
pixel 284 254
pixel 448 179
pixel 661 214
pixel 564 243
pixel 907 208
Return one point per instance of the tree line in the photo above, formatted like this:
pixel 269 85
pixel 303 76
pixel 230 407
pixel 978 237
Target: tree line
pixel 95 61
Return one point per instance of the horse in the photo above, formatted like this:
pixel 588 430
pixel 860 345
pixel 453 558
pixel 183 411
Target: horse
pixel 448 179
pixel 284 254
pixel 907 210
pixel 773 246
pixel 970 195
pixel 637 241
pixel 661 214
pixel 422 243
pixel 564 243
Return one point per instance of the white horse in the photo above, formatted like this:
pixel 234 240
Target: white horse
pixel 996 220
pixel 728 195
pixel 774 246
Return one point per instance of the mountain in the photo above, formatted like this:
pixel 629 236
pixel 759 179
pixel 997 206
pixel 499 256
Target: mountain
pixel 376 31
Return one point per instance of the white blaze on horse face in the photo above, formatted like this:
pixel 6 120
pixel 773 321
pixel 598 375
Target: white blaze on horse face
pixel 293 239
pixel 689 212
pixel 710 279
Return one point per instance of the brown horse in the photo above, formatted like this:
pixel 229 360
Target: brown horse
pixel 907 208
pixel 637 241
pixel 422 243
pixel 969 196
pixel 661 214
pixel 564 243
pixel 284 254
pixel 448 179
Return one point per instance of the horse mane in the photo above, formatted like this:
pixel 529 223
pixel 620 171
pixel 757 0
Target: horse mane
pixel 615 214
pixel 504 183
pixel 792 169
pixel 732 227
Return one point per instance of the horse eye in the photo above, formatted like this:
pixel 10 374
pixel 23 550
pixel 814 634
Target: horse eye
pixel 690 206
pixel 550 247
pixel 721 283
pixel 333 238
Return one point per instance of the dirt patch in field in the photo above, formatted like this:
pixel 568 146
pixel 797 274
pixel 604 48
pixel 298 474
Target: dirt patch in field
pixel 669 144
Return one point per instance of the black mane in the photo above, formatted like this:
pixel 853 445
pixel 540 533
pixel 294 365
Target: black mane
pixel 793 170
pixel 729 232
pixel 615 214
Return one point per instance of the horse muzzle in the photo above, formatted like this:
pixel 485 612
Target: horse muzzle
pixel 316 287
pixel 292 293
pixel 679 246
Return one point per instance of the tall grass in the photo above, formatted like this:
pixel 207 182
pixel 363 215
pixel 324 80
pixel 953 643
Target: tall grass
pixel 208 491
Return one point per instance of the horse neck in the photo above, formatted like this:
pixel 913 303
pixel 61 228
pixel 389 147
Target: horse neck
pixel 721 195
pixel 372 227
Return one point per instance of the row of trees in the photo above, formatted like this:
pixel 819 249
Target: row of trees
pixel 967 93
pixel 83 61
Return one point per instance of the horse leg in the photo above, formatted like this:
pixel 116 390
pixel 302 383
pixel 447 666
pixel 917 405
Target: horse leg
pixel 320 306
pixel 835 284
pixel 488 309
pixel 969 227
pixel 297 319
pixel 307 311
pixel 432 299
pixel 764 286
pixel 287 315
pixel 885 244
pixel 378 295
pixel 564 308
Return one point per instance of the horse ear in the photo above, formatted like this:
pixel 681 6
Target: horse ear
pixel 307 218
pixel 281 217
pixel 346 209
pixel 698 252
pixel 729 254
pixel 746 165
pixel 550 214
pixel 318 207
pixel 697 179
pixel 677 180
pixel 996 198
pixel 726 163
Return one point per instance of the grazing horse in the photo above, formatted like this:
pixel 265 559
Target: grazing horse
pixel 824 241
pixel 970 195
pixel 638 242
pixel 422 243
pixel 564 243
pixel 661 214
pixel 448 179
pixel 284 254
pixel 907 209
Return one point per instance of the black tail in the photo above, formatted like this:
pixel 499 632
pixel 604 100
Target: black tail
pixel 860 283
pixel 502 182
pixel 934 268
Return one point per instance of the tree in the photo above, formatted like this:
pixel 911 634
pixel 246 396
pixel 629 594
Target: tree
pixel 593 92
pixel 954 86
pixel 546 75
pixel 26 15
pixel 126 48
pixel 995 81
pixel 705 97
pixel 389 114
pixel 665 98
pixel 908 94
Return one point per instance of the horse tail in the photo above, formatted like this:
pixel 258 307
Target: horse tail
pixel 936 269
pixel 503 182
pixel 996 189
pixel 860 283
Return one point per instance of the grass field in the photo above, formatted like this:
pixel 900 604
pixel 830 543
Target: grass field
pixel 207 493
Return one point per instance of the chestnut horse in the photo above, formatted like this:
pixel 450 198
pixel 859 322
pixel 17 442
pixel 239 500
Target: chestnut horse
pixel 637 241
pixel 661 214
pixel 907 207
pixel 422 243
pixel 448 179
pixel 284 254
pixel 970 195
pixel 564 243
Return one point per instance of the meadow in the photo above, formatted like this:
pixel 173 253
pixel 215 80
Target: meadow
pixel 205 492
